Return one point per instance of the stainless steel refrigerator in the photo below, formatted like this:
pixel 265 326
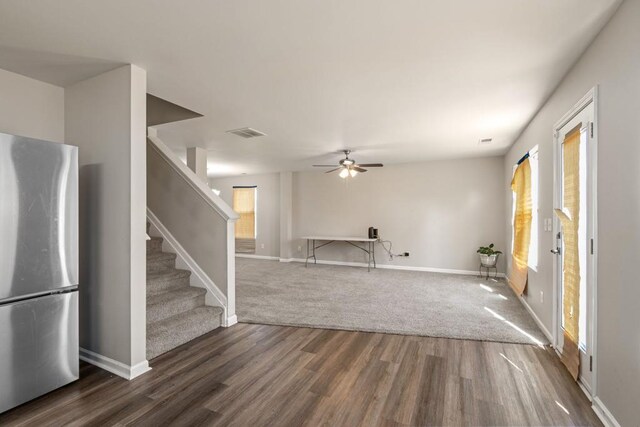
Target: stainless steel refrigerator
pixel 38 268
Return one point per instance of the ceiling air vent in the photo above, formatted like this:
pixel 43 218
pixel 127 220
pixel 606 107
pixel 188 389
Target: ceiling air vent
pixel 246 132
pixel 485 141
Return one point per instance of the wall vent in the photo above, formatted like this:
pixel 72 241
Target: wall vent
pixel 485 141
pixel 246 132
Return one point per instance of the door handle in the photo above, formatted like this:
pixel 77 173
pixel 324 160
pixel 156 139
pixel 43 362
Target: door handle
pixel 555 251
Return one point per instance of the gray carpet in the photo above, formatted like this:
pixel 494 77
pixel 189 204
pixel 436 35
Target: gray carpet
pixel 392 301
pixel 176 311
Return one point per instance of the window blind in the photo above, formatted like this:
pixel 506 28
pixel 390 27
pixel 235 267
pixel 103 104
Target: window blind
pixel 521 186
pixel 570 256
pixel 244 203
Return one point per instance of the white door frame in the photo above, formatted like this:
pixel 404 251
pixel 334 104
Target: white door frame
pixel 590 97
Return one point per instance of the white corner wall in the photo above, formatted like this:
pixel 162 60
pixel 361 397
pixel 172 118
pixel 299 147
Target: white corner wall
pixel 31 108
pixel 105 117
pixel 612 62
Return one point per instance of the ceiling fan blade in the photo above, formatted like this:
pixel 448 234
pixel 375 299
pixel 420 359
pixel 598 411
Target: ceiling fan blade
pixel 324 166
pixel 333 170
pixel 358 168
pixel 371 165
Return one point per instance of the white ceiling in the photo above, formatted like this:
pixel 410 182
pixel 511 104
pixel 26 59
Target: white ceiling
pixel 394 80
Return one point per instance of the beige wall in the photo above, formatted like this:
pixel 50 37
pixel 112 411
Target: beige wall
pixel 438 211
pixel 612 62
pixel 31 108
pixel 105 117
pixel 286 214
pixel 267 209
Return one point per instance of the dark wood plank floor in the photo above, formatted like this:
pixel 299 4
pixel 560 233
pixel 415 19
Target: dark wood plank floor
pixel 255 375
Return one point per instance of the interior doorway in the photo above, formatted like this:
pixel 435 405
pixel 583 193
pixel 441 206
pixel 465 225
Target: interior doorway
pixel 575 230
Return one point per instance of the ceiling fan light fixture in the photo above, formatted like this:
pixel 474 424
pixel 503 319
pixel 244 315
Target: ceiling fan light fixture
pixel 348 167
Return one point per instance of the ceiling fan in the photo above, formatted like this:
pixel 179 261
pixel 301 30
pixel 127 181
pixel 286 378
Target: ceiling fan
pixel 349 167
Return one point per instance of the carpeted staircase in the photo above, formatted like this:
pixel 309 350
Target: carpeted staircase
pixel 176 312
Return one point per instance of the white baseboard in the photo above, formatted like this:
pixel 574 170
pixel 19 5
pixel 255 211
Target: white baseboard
pixel 118 368
pixel 604 414
pixel 230 321
pixel 536 319
pixel 585 389
pixel 198 277
pixel 139 369
pixel 253 256
pixel 394 267
pixel 285 259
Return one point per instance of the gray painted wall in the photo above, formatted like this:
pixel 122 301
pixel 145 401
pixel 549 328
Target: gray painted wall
pixel 197 162
pixel 613 63
pixel 105 118
pixel 201 231
pixel 267 207
pixel 31 108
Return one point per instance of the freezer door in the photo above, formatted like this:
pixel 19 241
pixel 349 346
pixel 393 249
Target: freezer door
pixel 39 347
pixel 38 216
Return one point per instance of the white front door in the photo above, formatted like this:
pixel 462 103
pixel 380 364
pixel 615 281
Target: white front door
pixel 584 119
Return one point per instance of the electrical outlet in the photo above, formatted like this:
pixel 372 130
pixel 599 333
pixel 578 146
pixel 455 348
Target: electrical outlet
pixel 541 297
pixel 261 245
pixel 299 248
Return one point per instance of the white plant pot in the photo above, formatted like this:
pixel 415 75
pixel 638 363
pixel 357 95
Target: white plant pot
pixel 488 260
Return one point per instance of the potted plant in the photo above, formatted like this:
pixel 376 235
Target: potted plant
pixel 488 256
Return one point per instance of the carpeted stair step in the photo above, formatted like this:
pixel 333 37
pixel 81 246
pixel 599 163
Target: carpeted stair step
pixel 154 245
pixel 174 331
pixel 160 261
pixel 167 280
pixel 171 303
